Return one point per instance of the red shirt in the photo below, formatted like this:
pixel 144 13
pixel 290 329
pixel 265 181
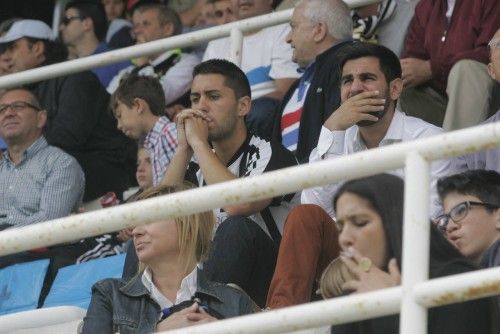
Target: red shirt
pixel 430 36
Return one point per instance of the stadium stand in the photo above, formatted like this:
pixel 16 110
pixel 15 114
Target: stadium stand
pixel 50 319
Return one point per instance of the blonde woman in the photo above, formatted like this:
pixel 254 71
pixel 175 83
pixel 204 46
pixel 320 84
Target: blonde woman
pixel 170 291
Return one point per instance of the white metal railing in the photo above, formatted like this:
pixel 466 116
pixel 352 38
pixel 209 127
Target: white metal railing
pixel 416 294
pixel 411 299
pixel 234 29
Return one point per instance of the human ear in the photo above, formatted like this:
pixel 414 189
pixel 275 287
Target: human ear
pixel 491 71
pixel 168 29
pixel 139 104
pixel 319 32
pixel 395 88
pixel 244 105
pixel 38 48
pixel 497 219
pixel 87 24
pixel 41 118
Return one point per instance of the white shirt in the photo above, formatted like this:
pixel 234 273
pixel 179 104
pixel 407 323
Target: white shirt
pixel 332 144
pixel 265 57
pixel 185 292
pixel 451 7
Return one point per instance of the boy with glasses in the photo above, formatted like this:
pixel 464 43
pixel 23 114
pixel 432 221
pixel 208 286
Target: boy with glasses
pixel 471 222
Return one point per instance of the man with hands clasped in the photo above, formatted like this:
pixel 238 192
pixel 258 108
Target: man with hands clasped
pixel 214 146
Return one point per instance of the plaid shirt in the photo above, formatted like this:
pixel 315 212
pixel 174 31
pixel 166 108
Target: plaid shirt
pixel 46 184
pixel 161 143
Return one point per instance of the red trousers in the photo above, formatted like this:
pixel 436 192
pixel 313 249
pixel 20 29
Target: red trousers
pixel 309 244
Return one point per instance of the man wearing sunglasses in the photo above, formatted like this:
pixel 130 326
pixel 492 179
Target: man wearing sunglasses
pixel 83 28
pixel 471 222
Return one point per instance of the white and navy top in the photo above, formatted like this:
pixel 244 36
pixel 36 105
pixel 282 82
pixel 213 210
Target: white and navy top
pixel 254 157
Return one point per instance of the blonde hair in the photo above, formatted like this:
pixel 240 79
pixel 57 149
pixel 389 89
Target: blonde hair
pixel 333 277
pixel 194 231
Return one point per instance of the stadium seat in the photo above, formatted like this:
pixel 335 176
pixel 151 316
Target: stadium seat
pixel 73 284
pixel 20 286
pixel 53 320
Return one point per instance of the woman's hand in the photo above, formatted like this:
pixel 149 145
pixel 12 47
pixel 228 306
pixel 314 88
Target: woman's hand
pixel 193 315
pixel 367 276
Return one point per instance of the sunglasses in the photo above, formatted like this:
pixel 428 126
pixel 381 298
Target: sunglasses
pixel 67 19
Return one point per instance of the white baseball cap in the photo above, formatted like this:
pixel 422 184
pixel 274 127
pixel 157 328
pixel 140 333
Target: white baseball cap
pixel 27 28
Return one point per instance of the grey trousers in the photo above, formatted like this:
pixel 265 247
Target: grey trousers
pixel 469 92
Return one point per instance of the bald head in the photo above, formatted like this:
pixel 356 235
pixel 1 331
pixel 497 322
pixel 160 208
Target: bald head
pixel 494 65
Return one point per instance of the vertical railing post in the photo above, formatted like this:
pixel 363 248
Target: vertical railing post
pixel 56 18
pixel 236 46
pixel 416 235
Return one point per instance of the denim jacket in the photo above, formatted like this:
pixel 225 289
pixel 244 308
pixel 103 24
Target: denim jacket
pixel 125 306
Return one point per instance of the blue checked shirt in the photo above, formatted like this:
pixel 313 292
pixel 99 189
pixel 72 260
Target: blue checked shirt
pixel 161 143
pixel 46 184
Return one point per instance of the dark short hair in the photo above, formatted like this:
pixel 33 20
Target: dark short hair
pixel 389 62
pixel 483 184
pixel 137 86
pixel 54 51
pixel 33 99
pixel 165 14
pixel 94 11
pixel 234 77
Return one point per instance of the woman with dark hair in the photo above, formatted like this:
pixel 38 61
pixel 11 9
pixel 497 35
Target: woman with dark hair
pixel 170 290
pixel 370 221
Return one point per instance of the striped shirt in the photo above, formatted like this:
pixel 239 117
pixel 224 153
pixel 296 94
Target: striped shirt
pixel 46 184
pixel 292 113
pixel 161 143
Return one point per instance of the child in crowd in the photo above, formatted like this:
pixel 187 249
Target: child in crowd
pixel 471 222
pixel 139 106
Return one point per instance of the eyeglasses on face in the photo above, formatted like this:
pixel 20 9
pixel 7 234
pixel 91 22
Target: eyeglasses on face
pixel 67 19
pixel 459 212
pixel 17 106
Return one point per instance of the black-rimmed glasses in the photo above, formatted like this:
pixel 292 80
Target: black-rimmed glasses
pixel 459 212
pixel 17 106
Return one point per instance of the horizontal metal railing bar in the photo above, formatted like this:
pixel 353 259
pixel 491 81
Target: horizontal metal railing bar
pixel 154 47
pixel 242 190
pixel 457 288
pixel 315 314
pixel 436 292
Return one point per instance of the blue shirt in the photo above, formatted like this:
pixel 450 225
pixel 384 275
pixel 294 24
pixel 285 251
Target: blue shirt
pixel 107 72
pixel 46 184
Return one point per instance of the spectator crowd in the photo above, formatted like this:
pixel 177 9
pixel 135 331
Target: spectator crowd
pixel 332 82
